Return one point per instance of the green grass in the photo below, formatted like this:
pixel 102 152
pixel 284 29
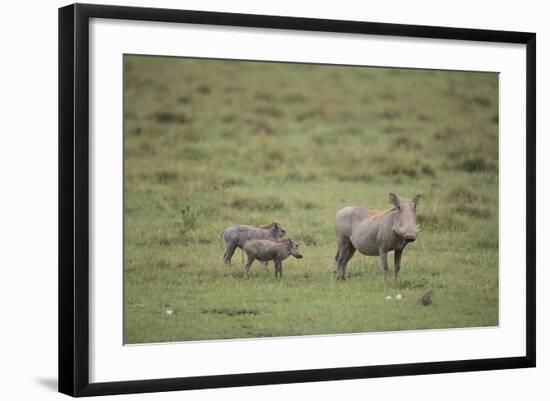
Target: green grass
pixel 209 144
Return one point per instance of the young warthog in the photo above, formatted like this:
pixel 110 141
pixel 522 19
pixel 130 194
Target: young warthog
pixel 266 250
pixel 236 236
pixel 375 233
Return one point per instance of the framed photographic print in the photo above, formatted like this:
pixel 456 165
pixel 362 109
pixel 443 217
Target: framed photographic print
pixel 250 199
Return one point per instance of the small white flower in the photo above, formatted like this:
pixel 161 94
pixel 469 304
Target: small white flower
pixel 169 312
pixel 398 297
pixel 388 298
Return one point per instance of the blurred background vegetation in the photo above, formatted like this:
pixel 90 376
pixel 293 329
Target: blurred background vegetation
pixel 212 143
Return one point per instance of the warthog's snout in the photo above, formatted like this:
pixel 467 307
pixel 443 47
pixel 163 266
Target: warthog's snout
pixel 296 253
pixel 293 249
pixel 410 238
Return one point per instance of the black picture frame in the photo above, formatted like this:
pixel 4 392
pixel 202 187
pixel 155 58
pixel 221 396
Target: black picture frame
pixel 74 198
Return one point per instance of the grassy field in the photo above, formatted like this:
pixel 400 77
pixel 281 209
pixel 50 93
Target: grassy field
pixel 209 144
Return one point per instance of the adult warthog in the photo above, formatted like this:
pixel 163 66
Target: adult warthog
pixel 236 236
pixel 375 233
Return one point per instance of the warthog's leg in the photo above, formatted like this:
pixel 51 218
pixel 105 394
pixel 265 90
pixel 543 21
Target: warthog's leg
pixel 278 269
pixel 397 261
pixel 251 259
pixel 384 263
pixel 231 246
pixel 345 253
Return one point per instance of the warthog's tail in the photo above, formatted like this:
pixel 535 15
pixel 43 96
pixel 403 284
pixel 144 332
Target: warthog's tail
pixel 335 268
pixel 221 235
pixel 221 245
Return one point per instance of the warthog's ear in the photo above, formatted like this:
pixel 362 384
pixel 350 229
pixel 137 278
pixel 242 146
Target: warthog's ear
pixel 416 199
pixel 394 200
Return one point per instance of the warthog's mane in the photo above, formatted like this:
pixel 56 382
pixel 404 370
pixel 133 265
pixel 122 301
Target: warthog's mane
pixel 283 240
pixel 269 225
pixel 378 214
